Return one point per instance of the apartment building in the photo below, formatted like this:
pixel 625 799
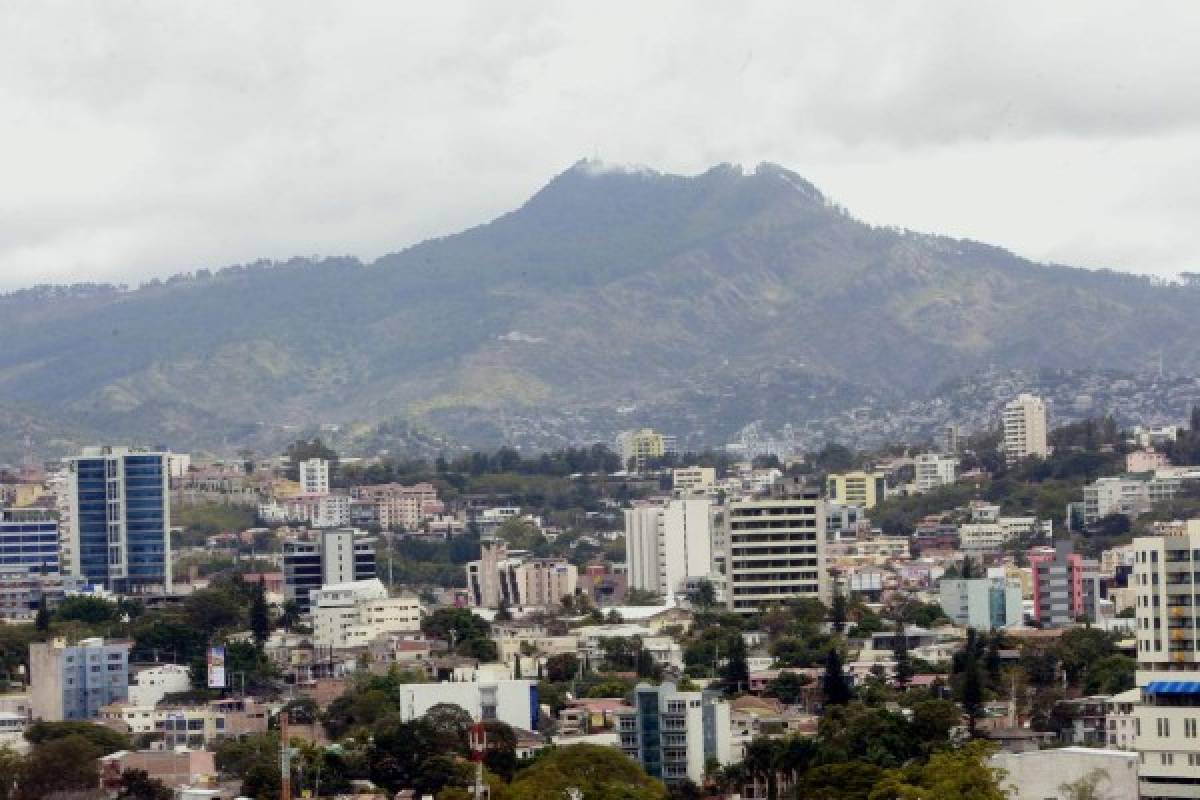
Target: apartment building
pixel 982 603
pixel 1066 586
pixel 514 702
pixel 672 734
pixel 865 489
pixel 667 543
pixel 933 470
pixel 190 726
pixel 314 476
pixel 517 579
pixel 352 614
pixel 73 682
pixel 1166 576
pixel 328 557
pixel 399 507
pixel 119 519
pixel 1025 428
pixel 775 548
pixel 642 446
pixel 693 479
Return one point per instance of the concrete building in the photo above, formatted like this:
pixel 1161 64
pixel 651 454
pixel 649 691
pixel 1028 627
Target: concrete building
pixel 672 734
pixel 119 519
pixel 517 579
pixel 314 476
pixel 1025 428
pixel 1066 586
pixel 191 726
pixel 637 448
pixel 934 470
pixel 665 544
pixel 152 684
pixel 1039 774
pixel 693 479
pixel 1121 719
pixel 982 603
pixel 859 488
pixel 329 557
pixel 400 507
pixel 73 682
pixel 775 548
pixel 511 701
pixel 947 440
pixel 1145 460
pixel 1168 673
pixel 29 540
pixel 352 614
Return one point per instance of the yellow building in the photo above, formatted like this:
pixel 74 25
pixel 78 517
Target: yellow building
pixel 859 488
pixel 640 447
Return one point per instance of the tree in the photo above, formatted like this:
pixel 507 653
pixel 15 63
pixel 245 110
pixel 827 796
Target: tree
pixel 11 764
pixel 562 667
pixel 260 619
pixel 596 771
pixel 501 754
pixel 41 622
pixel 88 610
pixel 736 673
pixel 947 775
pixel 836 687
pixel 59 765
pixel 212 610
pixel 1087 787
pixel 1111 675
pixel 789 687
pixel 839 611
pixel 705 595
pixel 972 692
pixel 289 615
pixel 136 784
pixel 104 739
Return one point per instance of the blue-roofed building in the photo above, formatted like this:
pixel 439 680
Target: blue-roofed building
pixel 120 519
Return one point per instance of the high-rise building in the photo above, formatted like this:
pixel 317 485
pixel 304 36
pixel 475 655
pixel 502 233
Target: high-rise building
pixel 946 440
pixel 1025 429
pixel 1066 586
pixel 933 470
pixel 73 682
pixel 120 519
pixel 672 734
pixel 665 544
pixel 775 548
pixel 28 540
pixel 330 556
pixel 1167 718
pixel 864 489
pixel 314 476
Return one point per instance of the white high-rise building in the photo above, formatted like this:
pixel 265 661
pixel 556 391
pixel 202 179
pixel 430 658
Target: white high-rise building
pixel 1167 718
pixel 314 476
pixel 775 548
pixel 667 544
pixel 674 734
pixel 1025 428
pixel 934 470
pixel 352 614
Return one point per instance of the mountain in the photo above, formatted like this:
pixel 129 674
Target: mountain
pixel 614 293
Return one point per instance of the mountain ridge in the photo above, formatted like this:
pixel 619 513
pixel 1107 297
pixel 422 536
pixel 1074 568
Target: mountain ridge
pixel 607 287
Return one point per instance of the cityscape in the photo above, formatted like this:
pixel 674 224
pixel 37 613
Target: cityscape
pixel 662 400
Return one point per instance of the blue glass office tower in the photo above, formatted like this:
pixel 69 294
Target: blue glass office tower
pixel 28 540
pixel 120 519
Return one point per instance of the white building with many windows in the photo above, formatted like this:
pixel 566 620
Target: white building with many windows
pixel 1166 577
pixel 354 613
pixel 934 470
pixel 1025 428
pixel 314 476
pixel 667 543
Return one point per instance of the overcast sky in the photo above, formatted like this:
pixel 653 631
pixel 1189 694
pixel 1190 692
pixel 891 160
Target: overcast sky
pixel 143 139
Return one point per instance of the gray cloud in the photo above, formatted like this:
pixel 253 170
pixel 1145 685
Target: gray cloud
pixel 148 138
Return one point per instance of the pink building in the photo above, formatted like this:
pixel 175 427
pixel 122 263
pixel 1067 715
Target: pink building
pixel 1146 460
pixel 1066 586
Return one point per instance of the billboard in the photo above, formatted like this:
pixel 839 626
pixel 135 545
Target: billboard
pixel 216 667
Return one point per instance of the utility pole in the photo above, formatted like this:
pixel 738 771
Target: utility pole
pixel 478 740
